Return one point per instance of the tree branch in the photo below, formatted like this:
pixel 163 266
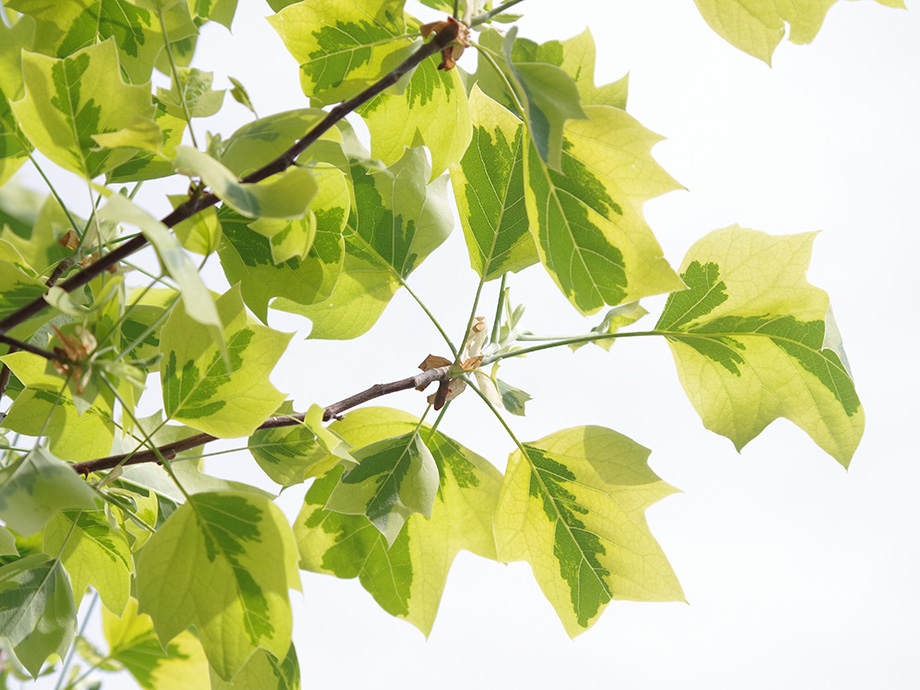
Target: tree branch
pixel 285 160
pixel 170 450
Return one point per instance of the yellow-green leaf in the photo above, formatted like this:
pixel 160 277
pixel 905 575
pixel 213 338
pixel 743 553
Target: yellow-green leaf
pixel 573 508
pixel 753 340
pixel 68 100
pixel 222 562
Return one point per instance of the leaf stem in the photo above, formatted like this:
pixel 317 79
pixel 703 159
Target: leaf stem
pixel 57 197
pixel 73 645
pixel 175 76
pixel 496 330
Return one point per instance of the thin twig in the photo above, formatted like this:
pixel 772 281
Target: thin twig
pixel 285 160
pixel 28 347
pixel 170 450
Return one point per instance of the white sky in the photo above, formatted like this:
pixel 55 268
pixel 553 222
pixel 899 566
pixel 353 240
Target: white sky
pixel 798 574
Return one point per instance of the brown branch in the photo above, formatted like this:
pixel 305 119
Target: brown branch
pixel 285 160
pixel 170 450
pixel 16 344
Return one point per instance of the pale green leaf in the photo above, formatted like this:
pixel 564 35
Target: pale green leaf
pixel 16 288
pixel 432 110
pixel 393 479
pixel 225 398
pixel 37 613
pixel 63 28
pixel 407 578
pixel 134 644
pixel 94 554
pixel 220 11
pixel 342 46
pixel 38 242
pixel 149 166
pixel 758 27
pixel 264 672
pixel 197 299
pixel 140 133
pixel 43 409
pixel 286 195
pixel 69 100
pixel 613 321
pixel 489 187
pixel 14 146
pixel 37 487
pixel 201 233
pixel 7 543
pixel 752 341
pixel 191 94
pixel 240 95
pixel 586 219
pixel 513 399
pixel 397 222
pixel 222 562
pixel 573 508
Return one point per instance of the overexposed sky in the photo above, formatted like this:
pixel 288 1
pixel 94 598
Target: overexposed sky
pixel 798 574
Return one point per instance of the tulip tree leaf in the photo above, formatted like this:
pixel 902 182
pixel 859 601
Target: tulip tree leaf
pixel 397 221
pixel 489 188
pixel 757 28
pixel 753 341
pixel 71 435
pixel 134 645
pixel 590 233
pixel 432 110
pixel 264 672
pixel 573 508
pixel 393 479
pixel 16 288
pixel 63 28
pixel 286 195
pixel 202 389
pixel 37 612
pixel 14 146
pixel 145 165
pixel 342 46
pixel 36 488
pixel 191 95
pixel 94 554
pixel 407 578
pixel 222 562
pixel 68 100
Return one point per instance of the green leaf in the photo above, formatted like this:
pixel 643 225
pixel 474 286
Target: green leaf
pixel 201 233
pixel 37 487
pixel 489 188
pixel 196 298
pixel 397 222
pixel 286 195
pixel 37 613
pixel 288 455
pixel 7 543
pixel 342 46
pixel 191 95
pixel 613 321
pixel 134 644
pixel 408 577
pixel 754 341
pixel 220 11
pixel 94 554
pixel 140 133
pixel 149 166
pixel 14 146
pixel 70 99
pixel 513 399
pixel 432 110
pixel 264 672
pixel 17 289
pixel 222 562
pixel 256 143
pixel 573 508
pixel 64 28
pixel 759 27
pixel 590 233
pixel 201 390
pixel 43 409
pixel 240 95
pixel 394 478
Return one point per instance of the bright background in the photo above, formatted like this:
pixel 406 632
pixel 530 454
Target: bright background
pixel 798 574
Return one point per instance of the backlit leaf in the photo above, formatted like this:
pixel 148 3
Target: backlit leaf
pixel 754 341
pixel 407 578
pixel 37 613
pixel 342 46
pixel 586 219
pixel 94 554
pixel 489 188
pixel 37 487
pixel 757 28
pixel 70 99
pixel 148 166
pixel 134 644
pixel 191 95
pixel 573 508
pixel 432 110
pixel 14 146
pixel 199 389
pixel 222 562
pixel 264 672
